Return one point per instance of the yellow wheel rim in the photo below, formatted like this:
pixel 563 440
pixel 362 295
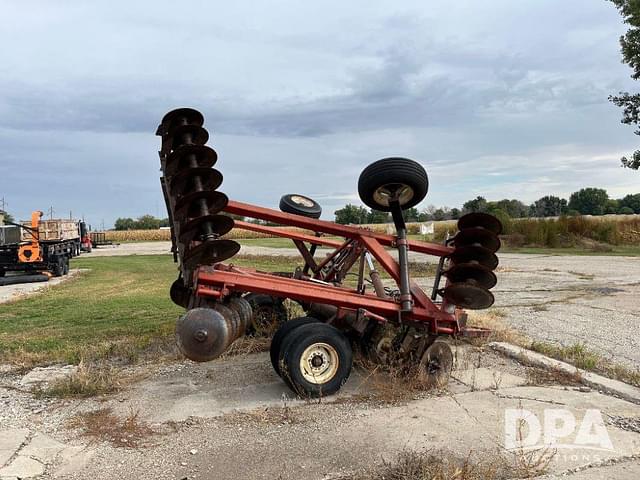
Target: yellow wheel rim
pixel 319 363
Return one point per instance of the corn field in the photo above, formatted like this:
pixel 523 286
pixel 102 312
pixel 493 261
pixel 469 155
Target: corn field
pixel 550 232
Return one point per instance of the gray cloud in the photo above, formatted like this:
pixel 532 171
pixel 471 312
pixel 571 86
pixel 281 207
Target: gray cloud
pixel 490 96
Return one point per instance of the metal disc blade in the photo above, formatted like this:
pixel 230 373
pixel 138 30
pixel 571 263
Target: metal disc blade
pixel 192 229
pixel 436 363
pixel 479 219
pixel 469 296
pixel 474 254
pixel 189 156
pixel 180 294
pixel 482 276
pixel 209 252
pixel 181 116
pixel 188 135
pixel 477 236
pixel 188 206
pixel 202 334
pixel 184 181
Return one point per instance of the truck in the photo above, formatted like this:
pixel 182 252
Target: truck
pixel 40 245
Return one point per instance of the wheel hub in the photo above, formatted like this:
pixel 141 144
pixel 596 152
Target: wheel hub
pixel 319 363
pixel 393 191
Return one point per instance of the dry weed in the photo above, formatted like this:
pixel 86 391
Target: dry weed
pixel 104 425
pixel 87 381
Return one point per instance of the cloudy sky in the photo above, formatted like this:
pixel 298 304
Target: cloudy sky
pixel 497 98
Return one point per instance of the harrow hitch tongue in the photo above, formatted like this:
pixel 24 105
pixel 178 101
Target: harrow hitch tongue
pixel 392 321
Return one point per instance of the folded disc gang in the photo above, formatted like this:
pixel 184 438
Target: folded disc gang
pixel 477 236
pixel 472 272
pixel 479 219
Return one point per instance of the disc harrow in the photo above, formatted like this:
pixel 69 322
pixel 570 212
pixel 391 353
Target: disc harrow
pixel 397 323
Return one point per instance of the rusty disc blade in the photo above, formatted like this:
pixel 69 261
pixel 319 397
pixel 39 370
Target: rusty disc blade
pixel 467 295
pixel 188 205
pixel 189 156
pixel 210 252
pixel 477 236
pixel 479 219
pixel 181 116
pixel 180 294
pixel 188 135
pixel 436 363
pixel 183 182
pixel 473 254
pixel 202 334
pixel 192 229
pixel 463 272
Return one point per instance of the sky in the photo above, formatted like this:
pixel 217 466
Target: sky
pixel 500 98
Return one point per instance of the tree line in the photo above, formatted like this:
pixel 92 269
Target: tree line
pixel 587 201
pixel 145 222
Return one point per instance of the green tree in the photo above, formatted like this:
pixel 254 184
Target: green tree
pixel 589 201
pixel 455 213
pixel 351 214
pixel 7 216
pixel 125 224
pixel 411 215
pixel 632 202
pixel 514 208
pixel 625 211
pixel 612 206
pixel 630 49
pixel 478 204
pixel 376 216
pixel 147 222
pixel 549 206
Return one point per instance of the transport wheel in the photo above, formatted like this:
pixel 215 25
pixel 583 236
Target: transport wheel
pixel 268 314
pixel 315 360
pixel 2 273
pixel 281 333
pixel 300 205
pixel 393 178
pixel 436 364
pixel 65 266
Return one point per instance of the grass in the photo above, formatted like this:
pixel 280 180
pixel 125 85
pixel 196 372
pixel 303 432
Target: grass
pixel 584 358
pixel 86 381
pixel 443 465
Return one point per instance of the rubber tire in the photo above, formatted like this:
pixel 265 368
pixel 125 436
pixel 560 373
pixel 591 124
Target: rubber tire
pixel 393 170
pixel 58 267
pixel 287 205
pixel 280 335
pixel 65 266
pixel 297 342
pixel 2 273
pixel 258 301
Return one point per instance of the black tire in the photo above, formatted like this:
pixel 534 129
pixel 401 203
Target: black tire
pixel 382 178
pixel 58 267
pixel 308 343
pixel 2 273
pixel 268 314
pixel 300 205
pixel 65 266
pixel 281 333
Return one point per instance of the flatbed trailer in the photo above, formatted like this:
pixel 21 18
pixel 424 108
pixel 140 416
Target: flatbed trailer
pixel 35 254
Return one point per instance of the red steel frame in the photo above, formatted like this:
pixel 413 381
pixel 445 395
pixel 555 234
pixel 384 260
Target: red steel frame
pixel 222 280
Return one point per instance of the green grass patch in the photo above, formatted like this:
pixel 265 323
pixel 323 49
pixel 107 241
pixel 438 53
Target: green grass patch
pixel 580 356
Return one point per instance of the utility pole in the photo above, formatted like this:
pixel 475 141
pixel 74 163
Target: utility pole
pixel 50 212
pixel 3 204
